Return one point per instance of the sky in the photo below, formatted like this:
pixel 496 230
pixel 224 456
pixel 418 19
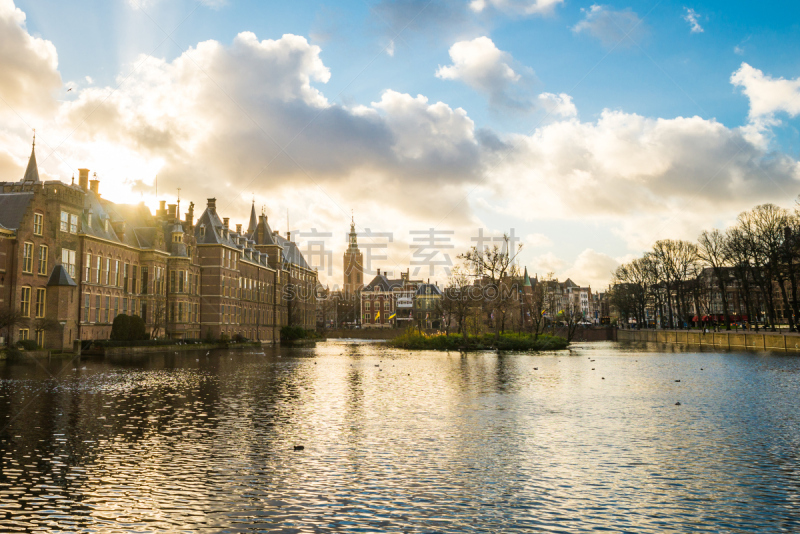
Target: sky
pixel 588 131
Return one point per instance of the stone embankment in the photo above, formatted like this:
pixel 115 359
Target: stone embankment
pixel 734 339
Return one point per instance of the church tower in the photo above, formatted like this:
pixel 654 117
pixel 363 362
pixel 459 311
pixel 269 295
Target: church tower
pixel 353 263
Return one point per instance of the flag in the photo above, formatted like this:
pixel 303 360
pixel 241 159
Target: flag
pixel 392 316
pixel 377 315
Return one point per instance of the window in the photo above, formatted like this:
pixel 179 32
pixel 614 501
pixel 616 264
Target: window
pixel 24 334
pixel 27 258
pixel 42 259
pixel 145 282
pixel 125 306
pixel 387 305
pixel 68 261
pixel 38 220
pixel 97 269
pixel 87 303
pixel 25 301
pixel 134 272
pixel 125 278
pixel 181 275
pixel 106 270
pixel 116 307
pixel 73 224
pixel 64 221
pixel 173 287
pixel 40 338
pixel 41 298
pixel 97 301
pixel 366 306
pixel 87 275
pixel 107 309
pixel 116 273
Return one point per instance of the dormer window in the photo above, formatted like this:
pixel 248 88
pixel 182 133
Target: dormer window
pixel 202 230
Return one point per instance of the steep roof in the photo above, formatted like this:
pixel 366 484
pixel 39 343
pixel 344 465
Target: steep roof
pixel 13 207
pixel 381 283
pixel 60 277
pixel 253 220
pixel 32 172
pixel 428 289
pixel 291 254
pixel 262 234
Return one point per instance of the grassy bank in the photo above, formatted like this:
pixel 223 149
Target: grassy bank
pixel 523 342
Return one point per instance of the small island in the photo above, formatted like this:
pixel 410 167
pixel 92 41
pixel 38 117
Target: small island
pixel 412 340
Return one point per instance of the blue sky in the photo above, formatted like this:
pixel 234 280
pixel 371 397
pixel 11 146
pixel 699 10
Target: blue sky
pixel 633 74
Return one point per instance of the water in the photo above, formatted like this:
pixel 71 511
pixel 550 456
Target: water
pixel 403 442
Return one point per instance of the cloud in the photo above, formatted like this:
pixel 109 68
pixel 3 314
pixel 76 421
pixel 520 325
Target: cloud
pixel 692 18
pixel 147 4
pixel 29 74
pixel 524 7
pixel 592 268
pixel 612 28
pixel 767 95
pixel 635 173
pixel 560 105
pixel 537 240
pixel 487 69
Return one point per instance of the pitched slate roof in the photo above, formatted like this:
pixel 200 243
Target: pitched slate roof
pixel 253 220
pixel 381 283
pixel 422 289
pixel 262 235
pixel 13 207
pixel 60 277
pixel 291 254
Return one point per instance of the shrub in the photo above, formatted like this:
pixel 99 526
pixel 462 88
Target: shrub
pixel 121 328
pixel 239 338
pixel 137 328
pixel 27 344
pixel 293 333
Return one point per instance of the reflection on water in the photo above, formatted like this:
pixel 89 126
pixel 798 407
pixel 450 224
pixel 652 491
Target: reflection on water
pixel 586 439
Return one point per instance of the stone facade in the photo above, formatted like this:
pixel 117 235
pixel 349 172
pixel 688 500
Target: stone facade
pixel 71 261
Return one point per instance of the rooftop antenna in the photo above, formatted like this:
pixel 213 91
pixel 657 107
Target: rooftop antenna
pixel 178 207
pixel 34 137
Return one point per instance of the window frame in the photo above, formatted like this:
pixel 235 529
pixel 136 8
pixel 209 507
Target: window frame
pixel 38 223
pixel 27 257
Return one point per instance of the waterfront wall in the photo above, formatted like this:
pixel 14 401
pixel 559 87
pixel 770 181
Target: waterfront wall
pixel 726 340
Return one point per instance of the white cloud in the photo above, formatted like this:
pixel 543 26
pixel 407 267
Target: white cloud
pixel 28 65
pixel 487 69
pixel 537 240
pixel 738 50
pixel 525 7
pixel 592 268
pixel 767 95
pixel 612 28
pixel 390 48
pixel 560 105
pixel 692 17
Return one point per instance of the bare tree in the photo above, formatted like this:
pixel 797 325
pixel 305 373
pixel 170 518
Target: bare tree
pixel 495 270
pixel 458 298
pixel 714 251
pixel 678 261
pixel 9 318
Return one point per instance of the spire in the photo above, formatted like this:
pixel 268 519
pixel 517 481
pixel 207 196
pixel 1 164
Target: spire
pixel 32 172
pixel 253 219
pixel 353 237
pixel 527 280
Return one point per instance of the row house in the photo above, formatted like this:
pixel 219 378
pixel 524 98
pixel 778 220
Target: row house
pixel 71 261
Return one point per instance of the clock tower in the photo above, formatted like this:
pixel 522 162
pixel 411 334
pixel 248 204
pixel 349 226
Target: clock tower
pixel 353 263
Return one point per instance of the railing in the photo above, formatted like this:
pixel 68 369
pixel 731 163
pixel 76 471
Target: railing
pixel 726 339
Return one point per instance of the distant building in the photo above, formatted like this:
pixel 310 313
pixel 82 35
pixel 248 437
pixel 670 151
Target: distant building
pixel 353 263
pixel 71 261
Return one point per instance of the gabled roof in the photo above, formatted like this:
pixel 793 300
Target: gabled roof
pixel 262 235
pixel 32 172
pixel 209 230
pixel 381 283
pixel 13 207
pixel 60 277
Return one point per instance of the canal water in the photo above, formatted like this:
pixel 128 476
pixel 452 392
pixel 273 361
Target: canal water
pixel 588 439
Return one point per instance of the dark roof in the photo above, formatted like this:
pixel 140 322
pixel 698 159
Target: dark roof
pixel 60 277
pixel 291 254
pixel 253 220
pixel 13 207
pixel 32 172
pixel 423 289
pixel 262 235
pixel 381 283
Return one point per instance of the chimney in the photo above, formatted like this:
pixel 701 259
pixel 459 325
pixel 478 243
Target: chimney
pixel 162 210
pixel 225 222
pixel 379 271
pixel 288 236
pixel 190 215
pixel 173 211
pixel 212 204
pixel 94 185
pixel 83 179
pixel 238 228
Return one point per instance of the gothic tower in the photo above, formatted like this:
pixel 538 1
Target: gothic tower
pixel 353 263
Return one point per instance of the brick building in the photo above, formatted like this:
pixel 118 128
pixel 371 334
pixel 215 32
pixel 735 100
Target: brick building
pixel 71 261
